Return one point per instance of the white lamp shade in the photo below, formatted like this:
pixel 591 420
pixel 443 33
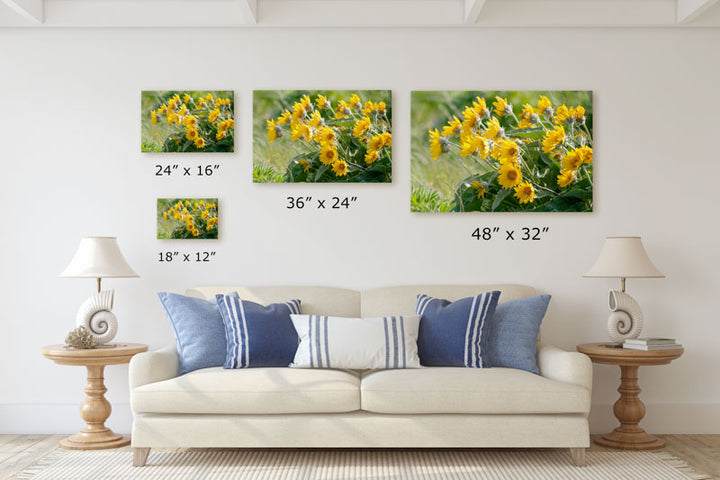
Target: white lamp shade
pixel 623 257
pixel 98 257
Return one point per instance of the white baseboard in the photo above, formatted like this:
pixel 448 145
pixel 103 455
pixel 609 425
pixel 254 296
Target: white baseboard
pixel 65 419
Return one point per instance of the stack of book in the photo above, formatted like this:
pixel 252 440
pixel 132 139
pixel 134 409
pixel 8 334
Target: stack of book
pixel 651 344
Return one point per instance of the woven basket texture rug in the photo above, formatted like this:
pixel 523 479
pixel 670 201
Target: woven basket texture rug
pixel 356 464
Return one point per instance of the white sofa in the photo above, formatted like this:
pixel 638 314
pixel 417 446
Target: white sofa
pixel 434 407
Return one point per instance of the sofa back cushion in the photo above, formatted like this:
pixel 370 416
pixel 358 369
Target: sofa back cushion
pixel 315 300
pixel 401 300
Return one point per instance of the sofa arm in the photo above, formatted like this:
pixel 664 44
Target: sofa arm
pixel 151 367
pixel 569 367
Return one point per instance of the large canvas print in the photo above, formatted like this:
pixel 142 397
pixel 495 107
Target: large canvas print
pixel 338 136
pixel 188 121
pixel 502 151
pixel 187 218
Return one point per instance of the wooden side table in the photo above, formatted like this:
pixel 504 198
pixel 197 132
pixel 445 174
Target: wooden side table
pixel 95 409
pixel 629 410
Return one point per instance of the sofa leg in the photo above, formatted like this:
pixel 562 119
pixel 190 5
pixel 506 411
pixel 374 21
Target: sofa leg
pixel 140 456
pixel 578 456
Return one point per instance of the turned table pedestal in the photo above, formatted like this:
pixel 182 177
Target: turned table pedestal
pixel 95 409
pixel 629 410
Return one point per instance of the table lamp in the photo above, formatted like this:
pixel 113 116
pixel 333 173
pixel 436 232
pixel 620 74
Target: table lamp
pixel 623 257
pixel 98 257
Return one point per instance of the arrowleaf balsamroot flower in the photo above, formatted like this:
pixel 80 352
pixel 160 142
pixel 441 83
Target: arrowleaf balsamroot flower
pixel 565 178
pixel 553 139
pixel 340 168
pixel 502 107
pixel 509 175
pixel 525 193
pixel 438 144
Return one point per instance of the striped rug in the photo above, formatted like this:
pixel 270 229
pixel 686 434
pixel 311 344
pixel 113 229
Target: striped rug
pixel 357 464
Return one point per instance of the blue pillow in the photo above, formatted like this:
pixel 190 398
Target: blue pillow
pixel 454 334
pixel 257 335
pixel 199 331
pixel 514 332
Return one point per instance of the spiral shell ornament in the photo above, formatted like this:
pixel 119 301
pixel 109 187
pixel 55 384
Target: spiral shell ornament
pixel 626 319
pixel 95 314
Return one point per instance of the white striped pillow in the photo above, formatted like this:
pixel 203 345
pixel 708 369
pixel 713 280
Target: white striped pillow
pixel 356 343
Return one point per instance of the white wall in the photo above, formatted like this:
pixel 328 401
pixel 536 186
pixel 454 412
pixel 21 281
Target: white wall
pixel 70 166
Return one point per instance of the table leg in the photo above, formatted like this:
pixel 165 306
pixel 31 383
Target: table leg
pixel 95 409
pixel 629 410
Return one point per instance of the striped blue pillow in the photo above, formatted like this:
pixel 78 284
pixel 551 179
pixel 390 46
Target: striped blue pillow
pixel 454 334
pixel 257 335
pixel 356 343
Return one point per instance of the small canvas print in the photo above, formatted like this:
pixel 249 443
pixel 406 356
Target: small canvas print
pixel 187 218
pixel 338 136
pixel 188 121
pixel 502 151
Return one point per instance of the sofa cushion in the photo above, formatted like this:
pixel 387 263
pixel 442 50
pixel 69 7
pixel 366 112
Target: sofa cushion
pixel 454 334
pixel 258 335
pixel 251 391
pixel 198 329
pixel 358 343
pixel 513 333
pixel 469 390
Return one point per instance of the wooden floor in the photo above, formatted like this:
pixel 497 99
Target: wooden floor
pixel 20 451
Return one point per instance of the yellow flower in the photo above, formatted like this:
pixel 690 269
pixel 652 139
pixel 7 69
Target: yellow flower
pixel 190 121
pixel 545 106
pixel 306 103
pixel 298 131
pixel 298 112
pixel 509 175
pixel 565 178
pixel 480 107
pixel 204 214
pixel 376 142
pixel 328 154
pixel 221 134
pixel 361 126
pixel 343 110
pixel 475 144
pixel 186 98
pixel 305 164
pixel 162 109
pixel 562 114
pixel 183 110
pixel 200 103
pixel 273 131
pixel 493 130
pixel 386 138
pixel 553 138
pixel 371 156
pixel 578 113
pixel 208 97
pixel 371 108
pixel 452 128
pixel 284 118
pixel 170 118
pixel 586 154
pixel 325 135
pixel 380 107
pixel 153 117
pixel 340 168
pixel 213 115
pixel 438 144
pixel 525 192
pixel 572 160
pixel 322 103
pixel 471 119
pixel 480 188
pixel 502 107
pixel 355 102
pixel 165 214
pixel 200 142
pixel 226 102
pixel 218 102
pixel 191 134
pixel 315 119
pixel 528 117
pixel 509 151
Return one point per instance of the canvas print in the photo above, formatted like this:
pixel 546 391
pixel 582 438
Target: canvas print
pixel 502 151
pixel 188 121
pixel 187 218
pixel 338 136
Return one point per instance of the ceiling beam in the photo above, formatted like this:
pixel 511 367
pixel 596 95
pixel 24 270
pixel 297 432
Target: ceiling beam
pixel 472 10
pixel 689 10
pixel 29 9
pixel 249 8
